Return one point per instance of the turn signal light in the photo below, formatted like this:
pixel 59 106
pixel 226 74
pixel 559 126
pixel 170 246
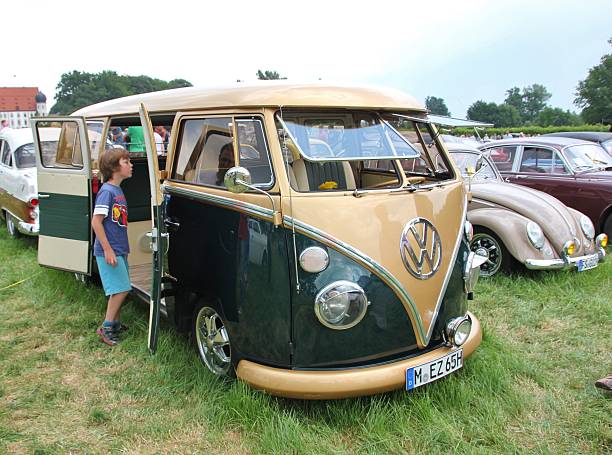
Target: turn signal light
pixel 569 248
pixel 602 240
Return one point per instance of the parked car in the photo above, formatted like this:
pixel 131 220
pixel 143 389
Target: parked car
pixel 18 193
pixel 514 223
pixel 578 173
pixel 310 265
pixel 602 138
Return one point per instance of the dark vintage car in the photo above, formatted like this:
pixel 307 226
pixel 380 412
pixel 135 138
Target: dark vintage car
pixel 518 225
pixel 578 173
pixel 603 139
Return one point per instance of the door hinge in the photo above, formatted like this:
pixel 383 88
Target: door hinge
pixel 291 348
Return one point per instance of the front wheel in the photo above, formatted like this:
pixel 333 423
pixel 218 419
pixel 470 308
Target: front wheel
pixel 489 245
pixel 212 341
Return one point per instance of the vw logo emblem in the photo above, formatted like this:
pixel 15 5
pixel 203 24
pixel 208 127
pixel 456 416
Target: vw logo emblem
pixel 421 248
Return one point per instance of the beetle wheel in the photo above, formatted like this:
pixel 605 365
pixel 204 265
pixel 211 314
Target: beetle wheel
pixel 489 245
pixel 212 340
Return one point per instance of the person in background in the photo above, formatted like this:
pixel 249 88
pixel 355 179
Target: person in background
pixel 4 124
pixel 135 139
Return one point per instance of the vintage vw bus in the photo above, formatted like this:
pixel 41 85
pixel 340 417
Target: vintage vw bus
pixel 283 232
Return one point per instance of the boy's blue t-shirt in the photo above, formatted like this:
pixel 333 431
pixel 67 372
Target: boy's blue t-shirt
pixel 111 203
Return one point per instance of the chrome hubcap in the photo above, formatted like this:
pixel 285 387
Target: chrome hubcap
pixel 10 225
pixel 487 246
pixel 213 341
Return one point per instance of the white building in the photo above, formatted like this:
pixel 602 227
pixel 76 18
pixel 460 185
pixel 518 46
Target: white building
pixel 18 104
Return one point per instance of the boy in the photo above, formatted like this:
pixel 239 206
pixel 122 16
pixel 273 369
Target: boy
pixel 111 246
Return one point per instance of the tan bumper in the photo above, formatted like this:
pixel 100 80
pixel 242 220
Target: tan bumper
pixel 324 385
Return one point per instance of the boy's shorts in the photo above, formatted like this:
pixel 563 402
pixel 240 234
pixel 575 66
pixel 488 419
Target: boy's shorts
pixel 114 279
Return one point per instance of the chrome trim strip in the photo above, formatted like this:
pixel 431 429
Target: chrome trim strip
pixel 226 202
pixel 449 272
pixel 371 265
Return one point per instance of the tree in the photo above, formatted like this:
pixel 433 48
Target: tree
pixel 515 98
pixel 554 116
pixel 78 89
pixel 502 116
pixel 594 94
pixel 268 75
pixel 483 112
pixel 534 101
pixel 437 106
pixel 507 115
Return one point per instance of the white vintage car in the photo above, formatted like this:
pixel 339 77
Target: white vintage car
pixel 18 189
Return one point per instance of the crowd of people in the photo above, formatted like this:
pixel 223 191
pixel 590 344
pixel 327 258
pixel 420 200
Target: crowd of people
pixel 132 138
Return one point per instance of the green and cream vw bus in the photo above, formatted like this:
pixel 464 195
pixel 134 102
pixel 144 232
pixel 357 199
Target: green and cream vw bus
pixel 311 249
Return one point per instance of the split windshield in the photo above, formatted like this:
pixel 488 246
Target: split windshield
pixel 344 150
pixel 468 164
pixel 345 136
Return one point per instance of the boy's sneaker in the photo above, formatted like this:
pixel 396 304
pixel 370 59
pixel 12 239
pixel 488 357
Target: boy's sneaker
pixel 108 336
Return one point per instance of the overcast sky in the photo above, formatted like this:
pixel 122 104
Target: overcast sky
pixel 462 51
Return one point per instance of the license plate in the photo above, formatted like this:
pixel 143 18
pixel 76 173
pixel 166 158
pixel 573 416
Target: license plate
pixel 436 369
pixel 588 263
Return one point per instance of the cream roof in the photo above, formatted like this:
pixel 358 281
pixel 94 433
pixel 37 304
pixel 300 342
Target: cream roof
pixel 270 94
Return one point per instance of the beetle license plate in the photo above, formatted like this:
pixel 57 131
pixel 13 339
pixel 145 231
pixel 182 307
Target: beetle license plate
pixel 587 263
pixel 436 369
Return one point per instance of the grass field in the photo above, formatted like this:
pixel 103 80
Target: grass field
pixel 528 389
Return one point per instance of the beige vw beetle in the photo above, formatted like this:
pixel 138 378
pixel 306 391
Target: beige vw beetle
pixel 515 224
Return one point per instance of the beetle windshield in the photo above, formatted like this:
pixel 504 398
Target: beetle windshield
pixel 25 156
pixel 588 156
pixel 468 164
pixel 345 136
pixel 608 146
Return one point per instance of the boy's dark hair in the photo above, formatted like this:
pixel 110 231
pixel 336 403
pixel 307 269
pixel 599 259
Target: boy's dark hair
pixel 109 161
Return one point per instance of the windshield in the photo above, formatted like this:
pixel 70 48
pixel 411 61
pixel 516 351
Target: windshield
pixel 608 146
pixel 587 156
pixel 345 136
pixel 467 162
pixel 25 156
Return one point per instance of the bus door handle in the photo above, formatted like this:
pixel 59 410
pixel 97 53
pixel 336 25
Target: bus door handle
pixel 43 196
pixel 172 225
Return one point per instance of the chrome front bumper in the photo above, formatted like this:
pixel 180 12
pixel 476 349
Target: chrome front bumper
pixel 563 263
pixel 27 228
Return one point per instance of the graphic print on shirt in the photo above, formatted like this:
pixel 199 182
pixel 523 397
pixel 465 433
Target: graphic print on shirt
pixel 119 214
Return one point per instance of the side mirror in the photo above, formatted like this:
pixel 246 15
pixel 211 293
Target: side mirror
pixel 480 163
pixel 237 179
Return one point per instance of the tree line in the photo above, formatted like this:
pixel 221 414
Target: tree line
pixel 528 106
pixel 522 106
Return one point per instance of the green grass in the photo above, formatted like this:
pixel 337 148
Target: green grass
pixel 528 389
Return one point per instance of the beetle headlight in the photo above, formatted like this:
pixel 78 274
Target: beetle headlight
pixel 535 234
pixel 587 227
pixel 341 305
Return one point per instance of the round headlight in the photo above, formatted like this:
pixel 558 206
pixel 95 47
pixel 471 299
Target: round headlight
pixel 587 227
pixel 535 234
pixel 341 305
pixel 469 230
pixel 458 330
